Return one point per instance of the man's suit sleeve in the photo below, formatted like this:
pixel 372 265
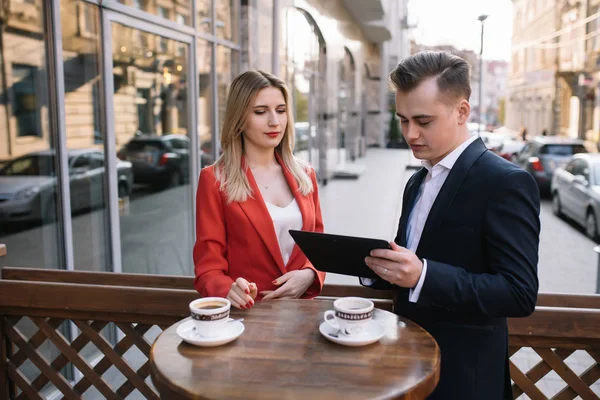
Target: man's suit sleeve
pixel 510 285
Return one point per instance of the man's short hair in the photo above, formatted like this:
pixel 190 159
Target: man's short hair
pixel 452 73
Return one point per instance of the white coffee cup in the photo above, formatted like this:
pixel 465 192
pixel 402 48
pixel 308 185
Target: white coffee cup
pixel 210 315
pixel 350 315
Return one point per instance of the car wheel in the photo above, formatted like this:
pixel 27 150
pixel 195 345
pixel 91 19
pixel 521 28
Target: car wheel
pixel 556 206
pixel 591 230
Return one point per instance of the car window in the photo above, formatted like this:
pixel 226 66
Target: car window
pixel 96 160
pixel 562 149
pixel 579 167
pixel 145 146
pixel 179 144
pixel 570 166
pixel 525 152
pixel 82 161
pixel 37 165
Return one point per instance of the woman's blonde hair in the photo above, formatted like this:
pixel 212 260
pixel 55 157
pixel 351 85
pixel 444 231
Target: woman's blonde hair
pixel 228 168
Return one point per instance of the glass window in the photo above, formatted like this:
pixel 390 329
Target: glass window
pixel 227 19
pixel 28 186
pixel 205 102
pixel 29 223
pixel 179 11
pixel 150 103
pixel 204 15
pixel 85 137
pixel 26 104
pixel 227 69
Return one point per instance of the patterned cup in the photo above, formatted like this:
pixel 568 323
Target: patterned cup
pixel 350 315
pixel 210 315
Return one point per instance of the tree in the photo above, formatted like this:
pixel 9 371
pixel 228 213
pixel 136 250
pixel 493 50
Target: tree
pixel 394 134
pixel 395 139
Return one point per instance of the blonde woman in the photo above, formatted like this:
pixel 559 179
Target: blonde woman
pixel 251 197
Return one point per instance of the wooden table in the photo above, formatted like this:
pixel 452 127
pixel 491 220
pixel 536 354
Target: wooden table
pixel 282 355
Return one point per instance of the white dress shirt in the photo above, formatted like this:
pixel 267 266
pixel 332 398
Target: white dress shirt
pixel 428 192
pixel 284 219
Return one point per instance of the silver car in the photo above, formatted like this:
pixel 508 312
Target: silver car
pixel 28 184
pixel 576 191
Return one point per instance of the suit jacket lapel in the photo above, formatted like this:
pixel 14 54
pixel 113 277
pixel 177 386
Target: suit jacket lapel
pixel 256 210
pixel 451 185
pixel 408 202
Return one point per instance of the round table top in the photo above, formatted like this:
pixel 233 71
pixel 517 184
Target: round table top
pixel 282 355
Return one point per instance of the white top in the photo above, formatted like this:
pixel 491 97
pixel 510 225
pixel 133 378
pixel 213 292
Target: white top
pixel 284 219
pixel 428 192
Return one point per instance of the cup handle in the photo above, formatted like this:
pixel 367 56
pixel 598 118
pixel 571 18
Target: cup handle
pixel 331 321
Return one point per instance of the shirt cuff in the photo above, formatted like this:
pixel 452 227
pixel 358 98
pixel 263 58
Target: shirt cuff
pixel 367 281
pixel 413 294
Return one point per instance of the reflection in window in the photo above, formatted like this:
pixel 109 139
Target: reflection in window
pixel 227 19
pixel 151 133
pixel 85 138
pixel 179 11
pixel 205 103
pixel 204 15
pixel 28 203
pixel 25 100
pixel 227 69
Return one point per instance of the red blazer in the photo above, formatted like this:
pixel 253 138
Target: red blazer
pixel 238 239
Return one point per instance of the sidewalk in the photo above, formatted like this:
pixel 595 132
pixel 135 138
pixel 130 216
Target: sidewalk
pixel 370 205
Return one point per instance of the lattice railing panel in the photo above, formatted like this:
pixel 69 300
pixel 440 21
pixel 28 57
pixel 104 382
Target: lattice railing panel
pixel 26 348
pixel 554 360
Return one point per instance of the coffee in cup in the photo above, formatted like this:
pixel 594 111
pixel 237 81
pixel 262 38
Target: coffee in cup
pixel 350 315
pixel 210 315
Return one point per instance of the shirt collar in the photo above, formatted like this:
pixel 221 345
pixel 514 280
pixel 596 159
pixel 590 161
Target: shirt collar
pixel 449 161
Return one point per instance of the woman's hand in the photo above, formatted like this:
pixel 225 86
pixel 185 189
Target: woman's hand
pixel 294 285
pixel 242 293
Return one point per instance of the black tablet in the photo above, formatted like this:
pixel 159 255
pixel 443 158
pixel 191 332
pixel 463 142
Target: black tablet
pixel 338 254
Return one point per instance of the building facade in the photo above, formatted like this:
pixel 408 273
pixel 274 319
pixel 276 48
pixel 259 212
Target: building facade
pixel 532 78
pixel 101 97
pixel 494 93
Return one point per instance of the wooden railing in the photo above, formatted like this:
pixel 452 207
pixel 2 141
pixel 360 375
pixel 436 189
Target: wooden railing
pixel 138 307
pixel 561 326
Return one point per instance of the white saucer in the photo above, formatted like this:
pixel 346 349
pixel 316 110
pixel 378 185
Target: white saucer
pixel 372 333
pixel 187 333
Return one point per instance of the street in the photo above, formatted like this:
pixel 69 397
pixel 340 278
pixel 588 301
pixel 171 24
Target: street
pixel 371 206
pixel 568 263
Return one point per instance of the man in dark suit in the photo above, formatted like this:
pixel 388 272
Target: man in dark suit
pixel 466 253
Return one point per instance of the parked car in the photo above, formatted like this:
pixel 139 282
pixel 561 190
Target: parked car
pixel 161 161
pixel 28 184
pixel 541 156
pixel 576 192
pixel 509 149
